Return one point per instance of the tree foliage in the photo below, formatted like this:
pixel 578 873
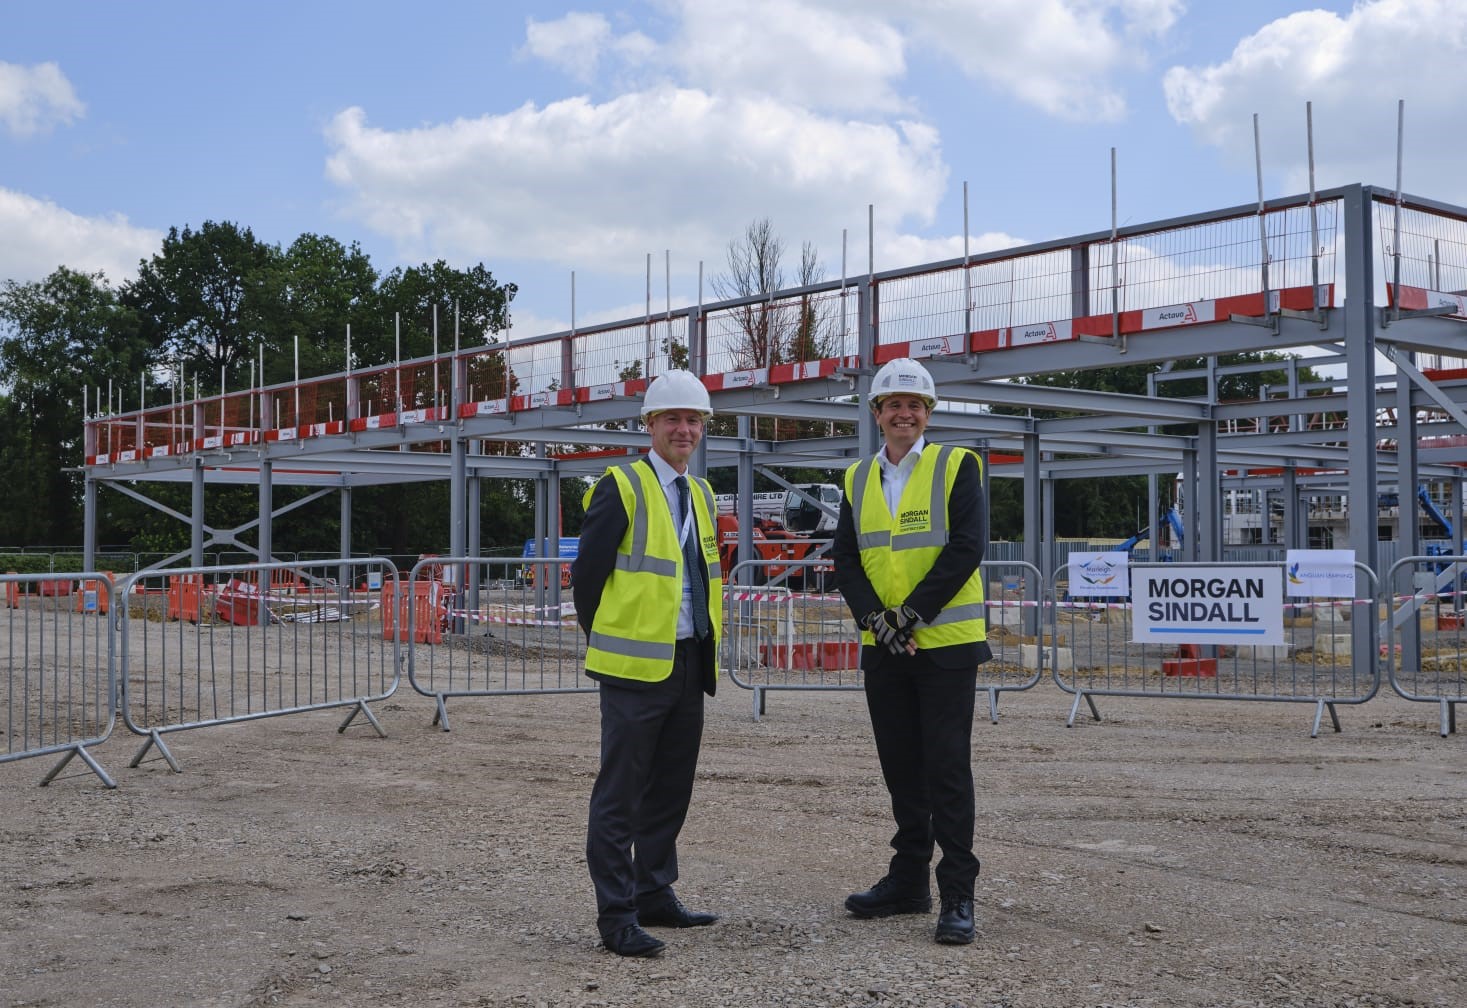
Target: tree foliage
pixel 216 299
pixel 209 298
pixel 320 287
pixel 63 336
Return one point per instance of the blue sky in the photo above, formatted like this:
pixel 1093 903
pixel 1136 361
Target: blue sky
pixel 549 138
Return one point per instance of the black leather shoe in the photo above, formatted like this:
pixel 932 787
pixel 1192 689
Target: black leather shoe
pixel 889 897
pixel 673 914
pixel 955 923
pixel 633 941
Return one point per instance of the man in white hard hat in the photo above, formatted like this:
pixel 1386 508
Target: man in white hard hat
pixel 649 596
pixel 912 531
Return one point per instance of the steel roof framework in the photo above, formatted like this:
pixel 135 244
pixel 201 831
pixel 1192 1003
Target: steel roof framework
pixel 571 386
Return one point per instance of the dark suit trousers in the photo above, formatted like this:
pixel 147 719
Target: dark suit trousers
pixel 922 719
pixel 650 736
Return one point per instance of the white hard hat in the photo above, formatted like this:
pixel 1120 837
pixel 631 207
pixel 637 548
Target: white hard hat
pixel 903 375
pixel 676 390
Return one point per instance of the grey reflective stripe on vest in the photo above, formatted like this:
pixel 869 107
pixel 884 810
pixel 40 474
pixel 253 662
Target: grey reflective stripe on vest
pixel 639 515
pixel 859 481
pixel 638 561
pixel 630 648
pixel 644 564
pixel 956 614
pixel 936 535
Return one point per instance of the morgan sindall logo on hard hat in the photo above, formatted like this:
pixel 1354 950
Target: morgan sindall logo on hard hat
pixel 904 375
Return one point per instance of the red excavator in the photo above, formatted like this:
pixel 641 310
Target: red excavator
pixel 773 542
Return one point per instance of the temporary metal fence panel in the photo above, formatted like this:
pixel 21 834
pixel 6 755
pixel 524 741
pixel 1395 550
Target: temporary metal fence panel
pixel 512 632
pixel 208 646
pixel 777 639
pixel 1330 654
pixel 1426 644
pixel 58 681
pixel 1013 595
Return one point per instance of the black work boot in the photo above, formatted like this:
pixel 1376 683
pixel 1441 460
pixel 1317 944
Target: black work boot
pixel 955 922
pixel 889 897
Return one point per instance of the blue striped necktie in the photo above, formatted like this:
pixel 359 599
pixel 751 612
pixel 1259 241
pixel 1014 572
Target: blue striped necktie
pixel 693 562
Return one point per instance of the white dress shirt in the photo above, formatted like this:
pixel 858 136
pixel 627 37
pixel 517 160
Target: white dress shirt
pixel 894 475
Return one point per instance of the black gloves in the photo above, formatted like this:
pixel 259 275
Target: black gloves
pixel 893 628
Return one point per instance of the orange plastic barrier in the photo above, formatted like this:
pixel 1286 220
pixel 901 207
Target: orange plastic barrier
pixel 238 603
pixel 92 598
pixel 1189 662
pixel 827 655
pixel 12 594
pixel 426 598
pixel 185 594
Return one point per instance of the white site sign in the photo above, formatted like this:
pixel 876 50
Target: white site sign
pixel 1182 603
pixel 1099 575
pixel 1317 573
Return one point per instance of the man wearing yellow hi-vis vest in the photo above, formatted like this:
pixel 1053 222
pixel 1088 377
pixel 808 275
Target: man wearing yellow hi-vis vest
pixel 649 595
pixel 912 531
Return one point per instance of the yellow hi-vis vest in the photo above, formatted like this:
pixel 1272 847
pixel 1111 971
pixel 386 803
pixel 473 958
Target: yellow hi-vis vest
pixel 635 628
pixel 897 554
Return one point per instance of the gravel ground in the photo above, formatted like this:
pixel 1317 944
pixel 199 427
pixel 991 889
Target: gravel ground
pixel 1173 854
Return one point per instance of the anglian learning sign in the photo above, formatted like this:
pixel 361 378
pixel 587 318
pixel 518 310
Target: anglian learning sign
pixel 1207 604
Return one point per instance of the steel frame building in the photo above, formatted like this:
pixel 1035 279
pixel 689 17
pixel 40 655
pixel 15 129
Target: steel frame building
pixel 1356 276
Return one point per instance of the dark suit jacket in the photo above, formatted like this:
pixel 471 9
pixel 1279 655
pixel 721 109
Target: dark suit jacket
pixel 967 511
pixel 601 533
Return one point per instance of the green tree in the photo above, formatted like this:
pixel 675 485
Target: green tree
pixel 407 302
pixel 58 337
pixel 413 294
pixel 209 299
pixel 321 287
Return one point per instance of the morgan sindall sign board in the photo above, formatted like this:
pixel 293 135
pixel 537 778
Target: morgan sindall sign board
pixel 1207 604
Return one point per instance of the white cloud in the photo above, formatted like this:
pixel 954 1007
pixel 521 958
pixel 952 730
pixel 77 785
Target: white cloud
pixel 1059 56
pixel 1354 69
pixel 808 53
pixel 577 42
pixel 599 185
pixel 34 99
pixel 40 236
pixel 908 250
pixel 529 323
pixel 785 109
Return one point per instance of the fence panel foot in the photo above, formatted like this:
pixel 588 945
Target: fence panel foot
pixel 440 717
pixel 1334 717
pixel 361 708
pixel 155 738
pixel 1075 707
pixel 87 758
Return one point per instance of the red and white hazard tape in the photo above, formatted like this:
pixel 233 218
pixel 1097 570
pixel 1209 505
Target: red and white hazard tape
pixel 483 617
